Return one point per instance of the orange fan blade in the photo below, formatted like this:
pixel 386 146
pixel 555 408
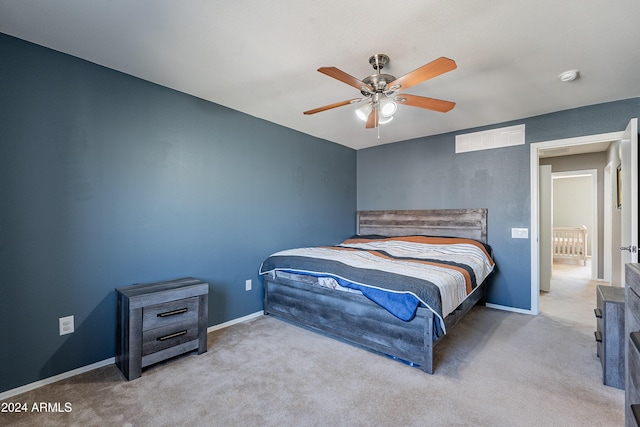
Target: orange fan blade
pixel 426 72
pixel 372 120
pixel 330 106
pixel 424 102
pixel 344 78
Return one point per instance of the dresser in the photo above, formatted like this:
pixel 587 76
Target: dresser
pixel 157 321
pixel 632 345
pixel 610 334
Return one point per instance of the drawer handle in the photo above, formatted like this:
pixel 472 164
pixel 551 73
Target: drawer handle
pixel 598 336
pixel 167 337
pixel 598 313
pixel 173 312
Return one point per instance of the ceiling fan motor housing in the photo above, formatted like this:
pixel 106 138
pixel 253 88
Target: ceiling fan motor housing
pixel 378 82
pixel 378 61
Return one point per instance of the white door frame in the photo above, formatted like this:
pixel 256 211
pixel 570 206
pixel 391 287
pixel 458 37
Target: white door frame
pixel 608 208
pixel 535 228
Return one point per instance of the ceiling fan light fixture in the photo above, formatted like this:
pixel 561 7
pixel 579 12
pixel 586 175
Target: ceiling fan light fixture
pixel 388 108
pixel 385 120
pixel 363 112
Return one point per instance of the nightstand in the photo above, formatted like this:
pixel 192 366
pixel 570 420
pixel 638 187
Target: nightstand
pixel 157 321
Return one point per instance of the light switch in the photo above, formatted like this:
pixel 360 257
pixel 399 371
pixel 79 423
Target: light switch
pixel 519 233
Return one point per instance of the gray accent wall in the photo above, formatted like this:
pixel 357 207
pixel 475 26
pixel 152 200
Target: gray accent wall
pixel 108 180
pixel 426 173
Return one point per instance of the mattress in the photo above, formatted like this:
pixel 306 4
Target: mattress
pixel 398 273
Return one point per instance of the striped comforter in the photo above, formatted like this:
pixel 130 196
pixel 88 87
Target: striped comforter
pixel 398 273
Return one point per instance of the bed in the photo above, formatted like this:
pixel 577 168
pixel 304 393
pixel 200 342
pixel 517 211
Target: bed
pixel 570 243
pixel 293 292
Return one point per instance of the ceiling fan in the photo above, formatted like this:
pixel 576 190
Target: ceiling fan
pixel 381 90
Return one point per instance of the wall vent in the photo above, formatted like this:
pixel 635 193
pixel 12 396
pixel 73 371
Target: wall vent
pixel 488 139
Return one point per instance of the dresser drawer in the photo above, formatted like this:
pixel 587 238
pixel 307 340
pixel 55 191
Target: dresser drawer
pixel 168 336
pixel 634 363
pixel 633 301
pixel 632 399
pixel 160 315
pixel 599 349
pixel 635 415
pixel 632 274
pixel 632 345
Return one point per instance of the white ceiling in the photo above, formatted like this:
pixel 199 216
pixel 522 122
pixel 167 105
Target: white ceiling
pixel 261 57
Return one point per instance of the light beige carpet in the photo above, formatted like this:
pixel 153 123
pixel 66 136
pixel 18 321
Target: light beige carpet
pixel 495 368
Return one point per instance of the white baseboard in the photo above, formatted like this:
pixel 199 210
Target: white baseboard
pixel 506 308
pixel 25 388
pixel 234 321
pixel 28 387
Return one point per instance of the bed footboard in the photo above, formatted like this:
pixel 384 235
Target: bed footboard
pixel 355 319
pixel 367 324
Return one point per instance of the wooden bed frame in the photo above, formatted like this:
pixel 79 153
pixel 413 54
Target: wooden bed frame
pixel 356 319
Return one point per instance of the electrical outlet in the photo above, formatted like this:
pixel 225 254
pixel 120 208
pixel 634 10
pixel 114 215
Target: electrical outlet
pixel 247 285
pixel 66 325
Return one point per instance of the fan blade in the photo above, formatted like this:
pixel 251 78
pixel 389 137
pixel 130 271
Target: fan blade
pixel 424 102
pixel 426 72
pixel 372 120
pixel 335 105
pixel 345 78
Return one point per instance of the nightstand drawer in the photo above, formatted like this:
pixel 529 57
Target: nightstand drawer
pixel 160 315
pixel 168 336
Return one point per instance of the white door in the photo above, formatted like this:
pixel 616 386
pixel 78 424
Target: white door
pixel 629 194
pixel 545 193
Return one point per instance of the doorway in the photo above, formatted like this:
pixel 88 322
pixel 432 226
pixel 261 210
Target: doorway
pixel 578 145
pixel 576 204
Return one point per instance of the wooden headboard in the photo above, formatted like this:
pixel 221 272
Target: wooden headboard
pixel 468 223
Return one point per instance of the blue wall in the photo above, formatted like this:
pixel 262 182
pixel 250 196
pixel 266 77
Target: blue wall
pixel 426 173
pixel 108 180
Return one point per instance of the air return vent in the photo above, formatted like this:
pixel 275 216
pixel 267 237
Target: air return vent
pixel 488 139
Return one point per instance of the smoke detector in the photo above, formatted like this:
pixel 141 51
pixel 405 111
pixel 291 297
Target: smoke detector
pixel 569 76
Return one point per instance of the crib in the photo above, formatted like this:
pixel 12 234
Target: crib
pixel 570 243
